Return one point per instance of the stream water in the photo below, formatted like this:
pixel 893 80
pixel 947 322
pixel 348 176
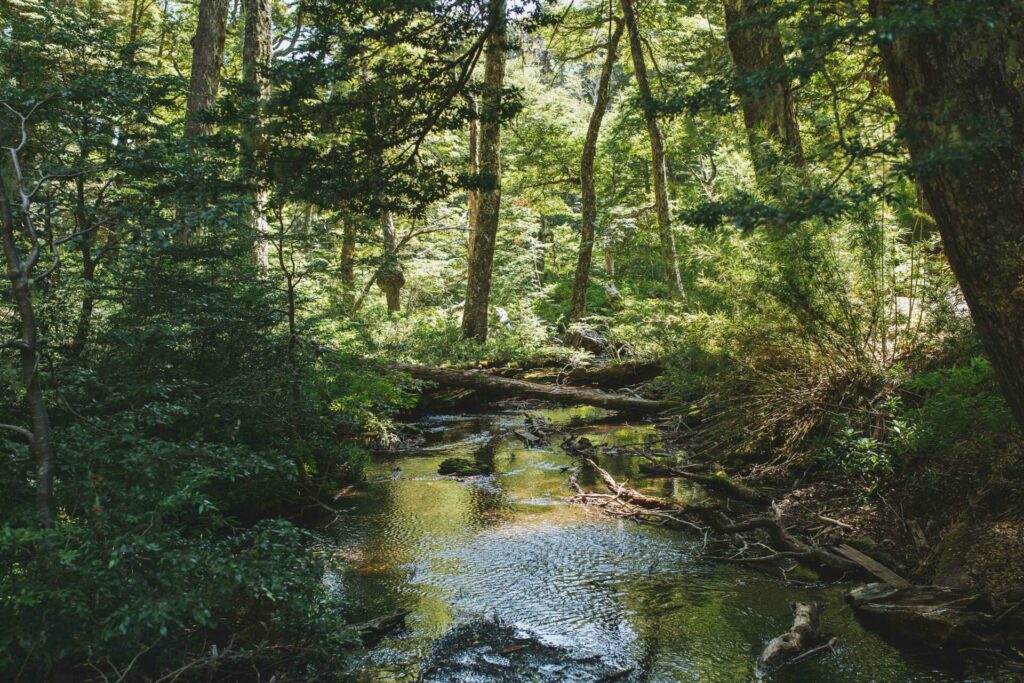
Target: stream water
pixel 509 546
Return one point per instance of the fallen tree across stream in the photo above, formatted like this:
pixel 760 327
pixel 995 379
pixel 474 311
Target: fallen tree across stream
pixel 483 381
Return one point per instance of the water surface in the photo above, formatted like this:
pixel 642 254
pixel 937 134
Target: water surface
pixel 508 545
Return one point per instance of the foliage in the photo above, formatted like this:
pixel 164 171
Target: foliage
pixel 201 399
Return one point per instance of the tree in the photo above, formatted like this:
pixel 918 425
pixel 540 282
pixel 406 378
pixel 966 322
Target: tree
pixel 473 195
pixel 19 225
pixel 478 288
pixel 956 74
pixel 207 59
pixel 589 200
pixel 657 138
pixel 204 80
pixel 764 85
pixel 256 59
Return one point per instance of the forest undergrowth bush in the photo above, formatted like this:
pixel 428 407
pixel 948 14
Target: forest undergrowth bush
pixel 180 431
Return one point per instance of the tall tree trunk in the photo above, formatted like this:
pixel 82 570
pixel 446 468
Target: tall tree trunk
pixel 959 92
pixel 667 239
pixel 390 277
pixel 474 168
pixel 348 266
pixel 207 58
pixel 256 57
pixel 19 272
pixel 478 288
pixel 764 87
pixel 581 282
pixel 204 81
pixel 84 226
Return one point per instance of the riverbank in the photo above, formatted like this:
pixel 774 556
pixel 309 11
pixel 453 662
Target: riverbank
pixel 929 520
pixel 510 545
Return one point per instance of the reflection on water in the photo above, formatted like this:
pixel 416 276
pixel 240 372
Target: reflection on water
pixel 508 545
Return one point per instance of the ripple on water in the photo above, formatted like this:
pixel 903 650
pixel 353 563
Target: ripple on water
pixel 507 545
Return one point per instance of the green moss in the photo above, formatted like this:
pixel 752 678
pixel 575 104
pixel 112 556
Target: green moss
pixel 463 467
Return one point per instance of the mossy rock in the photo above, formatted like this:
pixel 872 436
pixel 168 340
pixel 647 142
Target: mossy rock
pixel 463 467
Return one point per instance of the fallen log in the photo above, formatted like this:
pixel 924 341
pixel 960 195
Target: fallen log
pixel 786 545
pixel 603 375
pixel 872 566
pixel 935 616
pixel 481 381
pixel 631 496
pixel 376 628
pixel 801 638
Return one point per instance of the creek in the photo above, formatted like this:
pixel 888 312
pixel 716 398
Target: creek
pixel 637 598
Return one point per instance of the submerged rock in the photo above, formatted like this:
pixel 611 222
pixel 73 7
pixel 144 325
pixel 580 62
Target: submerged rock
pixel 463 467
pixel 489 651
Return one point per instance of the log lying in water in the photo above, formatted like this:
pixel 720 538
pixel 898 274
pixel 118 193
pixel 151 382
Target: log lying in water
pixel 374 629
pixel 472 379
pixel 931 615
pixel 802 638
pixel 786 544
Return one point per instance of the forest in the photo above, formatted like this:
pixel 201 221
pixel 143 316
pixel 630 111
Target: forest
pixel 511 340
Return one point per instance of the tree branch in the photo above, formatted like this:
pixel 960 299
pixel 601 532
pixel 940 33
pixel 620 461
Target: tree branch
pixel 20 431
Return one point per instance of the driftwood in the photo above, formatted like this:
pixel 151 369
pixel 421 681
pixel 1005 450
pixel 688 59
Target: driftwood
pixel 371 630
pixel 786 545
pixel 631 496
pixel 802 638
pixel 872 566
pixel 472 379
pixel 935 616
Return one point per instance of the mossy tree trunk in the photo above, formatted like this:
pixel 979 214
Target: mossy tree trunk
pixel 256 58
pixel 660 169
pixel 581 282
pixel 481 254
pixel 207 58
pixel 204 79
pixel 958 85
pixel 764 86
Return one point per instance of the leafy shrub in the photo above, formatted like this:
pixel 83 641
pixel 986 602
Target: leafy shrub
pixel 955 405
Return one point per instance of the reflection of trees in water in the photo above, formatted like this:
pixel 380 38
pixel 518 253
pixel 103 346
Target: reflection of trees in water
pixel 489 501
pixel 667 614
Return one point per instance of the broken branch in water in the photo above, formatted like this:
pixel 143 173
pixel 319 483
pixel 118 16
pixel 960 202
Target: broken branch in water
pixel 801 639
pixel 630 503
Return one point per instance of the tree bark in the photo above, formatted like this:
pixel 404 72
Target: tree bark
pixel 581 282
pixel 19 271
pixel 204 80
pixel 654 132
pixel 478 287
pixel 256 58
pixel 764 87
pixel 83 225
pixel 959 93
pixel 473 198
pixel 390 277
pixel 207 58
pixel 348 267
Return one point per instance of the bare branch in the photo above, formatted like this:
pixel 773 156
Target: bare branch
pixel 20 431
